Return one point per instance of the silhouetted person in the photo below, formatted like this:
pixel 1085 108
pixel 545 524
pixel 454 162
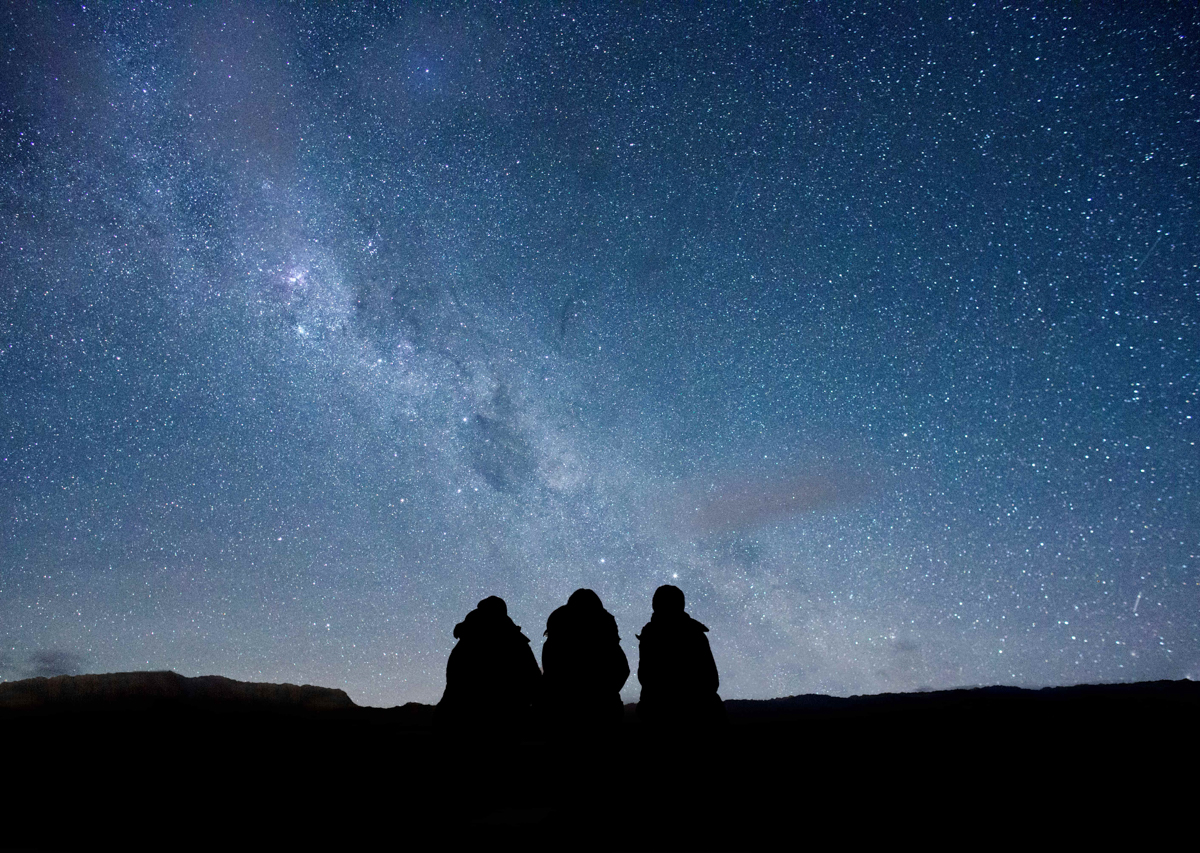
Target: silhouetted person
pixel 676 668
pixel 492 676
pixel 584 667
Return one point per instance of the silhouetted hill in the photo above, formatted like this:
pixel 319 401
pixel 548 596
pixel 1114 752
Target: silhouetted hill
pixel 167 692
pixel 68 691
pixel 1090 699
pixel 151 760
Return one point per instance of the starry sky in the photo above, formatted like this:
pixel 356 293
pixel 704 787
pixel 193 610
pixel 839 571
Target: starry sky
pixel 872 326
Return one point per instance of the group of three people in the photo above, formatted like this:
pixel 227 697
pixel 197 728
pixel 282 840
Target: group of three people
pixel 493 681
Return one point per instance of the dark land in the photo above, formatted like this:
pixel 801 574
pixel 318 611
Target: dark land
pixel 153 760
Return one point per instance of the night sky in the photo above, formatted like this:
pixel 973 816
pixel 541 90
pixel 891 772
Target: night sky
pixel 876 330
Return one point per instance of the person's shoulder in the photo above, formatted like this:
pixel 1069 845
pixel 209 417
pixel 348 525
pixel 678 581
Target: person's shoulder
pixel 558 617
pixel 609 622
pixel 466 627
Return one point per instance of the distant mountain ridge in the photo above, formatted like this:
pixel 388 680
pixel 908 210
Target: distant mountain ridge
pixel 63 691
pixel 966 699
pixel 68 691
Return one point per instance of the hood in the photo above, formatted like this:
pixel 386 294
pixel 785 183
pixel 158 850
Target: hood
pixel 478 623
pixel 568 620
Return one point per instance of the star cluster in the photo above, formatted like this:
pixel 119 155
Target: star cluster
pixel 872 328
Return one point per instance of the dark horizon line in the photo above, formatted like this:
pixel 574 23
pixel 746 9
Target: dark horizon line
pixel 920 691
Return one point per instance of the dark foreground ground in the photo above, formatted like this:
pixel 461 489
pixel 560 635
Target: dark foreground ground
pixel 144 761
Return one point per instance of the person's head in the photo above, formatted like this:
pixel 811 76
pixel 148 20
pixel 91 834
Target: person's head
pixel 487 615
pixel 585 599
pixel 492 606
pixel 668 599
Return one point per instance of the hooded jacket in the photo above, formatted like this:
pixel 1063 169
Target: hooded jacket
pixel 585 667
pixel 492 676
pixel 676 670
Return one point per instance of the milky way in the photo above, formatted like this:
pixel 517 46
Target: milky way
pixel 873 329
